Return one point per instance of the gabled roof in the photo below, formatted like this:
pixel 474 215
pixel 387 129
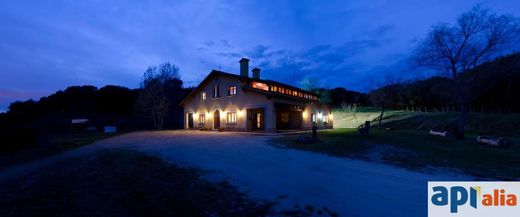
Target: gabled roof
pixel 214 73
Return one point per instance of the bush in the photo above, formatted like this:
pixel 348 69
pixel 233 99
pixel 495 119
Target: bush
pixel 17 138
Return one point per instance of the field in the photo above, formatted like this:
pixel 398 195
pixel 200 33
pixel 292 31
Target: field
pixel 404 141
pixel 477 123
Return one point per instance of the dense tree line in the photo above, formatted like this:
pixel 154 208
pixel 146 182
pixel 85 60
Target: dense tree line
pixel 492 87
pixel 335 97
pixel 127 109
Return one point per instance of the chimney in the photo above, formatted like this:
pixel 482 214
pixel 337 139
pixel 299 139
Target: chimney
pixel 256 73
pixel 244 67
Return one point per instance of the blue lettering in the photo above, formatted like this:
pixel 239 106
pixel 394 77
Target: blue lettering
pixel 440 196
pixel 455 200
pixel 473 197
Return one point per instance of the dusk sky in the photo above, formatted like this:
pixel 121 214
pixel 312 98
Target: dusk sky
pixel 48 45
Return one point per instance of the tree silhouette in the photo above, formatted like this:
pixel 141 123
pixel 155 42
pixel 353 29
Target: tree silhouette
pixel 478 35
pixel 161 89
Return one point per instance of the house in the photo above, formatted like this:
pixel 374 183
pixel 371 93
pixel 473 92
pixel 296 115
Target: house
pixel 225 101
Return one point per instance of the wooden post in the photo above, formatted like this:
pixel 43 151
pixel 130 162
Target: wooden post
pixel 314 129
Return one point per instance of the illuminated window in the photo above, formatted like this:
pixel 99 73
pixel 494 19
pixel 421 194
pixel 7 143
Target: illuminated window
pixel 325 118
pixel 202 119
pixel 231 118
pixel 313 118
pixel 258 120
pixel 261 86
pixel 275 88
pixel 216 91
pixel 203 96
pixel 232 90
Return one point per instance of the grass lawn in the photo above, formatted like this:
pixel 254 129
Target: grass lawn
pixel 123 183
pixel 55 143
pixel 415 149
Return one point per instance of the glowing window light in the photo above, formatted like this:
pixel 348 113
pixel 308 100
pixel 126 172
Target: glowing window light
pixel 261 86
pixel 231 118
pixel 202 118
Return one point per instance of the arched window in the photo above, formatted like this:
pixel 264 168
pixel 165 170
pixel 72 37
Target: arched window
pixel 216 91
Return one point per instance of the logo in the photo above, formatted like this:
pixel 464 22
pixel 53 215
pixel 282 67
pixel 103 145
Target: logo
pixel 473 198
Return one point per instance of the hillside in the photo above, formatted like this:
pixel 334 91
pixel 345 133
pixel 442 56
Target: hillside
pixel 478 123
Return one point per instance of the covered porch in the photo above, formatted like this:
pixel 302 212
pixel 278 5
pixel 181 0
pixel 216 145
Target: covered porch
pixel 288 116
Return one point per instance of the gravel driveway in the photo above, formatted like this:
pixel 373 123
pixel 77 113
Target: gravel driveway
pixel 292 177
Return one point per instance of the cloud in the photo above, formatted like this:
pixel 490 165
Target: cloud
pixel 329 65
pixel 209 43
pixel 225 43
pixel 229 54
pixel 381 30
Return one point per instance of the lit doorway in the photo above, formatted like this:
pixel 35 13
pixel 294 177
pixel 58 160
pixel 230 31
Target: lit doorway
pixel 256 119
pixel 216 120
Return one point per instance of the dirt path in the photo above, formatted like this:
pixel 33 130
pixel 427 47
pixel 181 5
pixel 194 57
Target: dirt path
pixel 348 187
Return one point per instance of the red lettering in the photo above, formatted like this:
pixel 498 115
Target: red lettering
pixel 495 197
pixel 487 200
pixel 511 200
pixel 502 197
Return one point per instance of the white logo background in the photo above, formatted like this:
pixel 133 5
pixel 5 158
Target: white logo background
pixel 481 210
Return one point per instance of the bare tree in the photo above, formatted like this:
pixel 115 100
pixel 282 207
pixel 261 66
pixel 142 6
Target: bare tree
pixel 159 88
pixel 477 36
pixel 350 109
pixel 309 83
pixel 387 96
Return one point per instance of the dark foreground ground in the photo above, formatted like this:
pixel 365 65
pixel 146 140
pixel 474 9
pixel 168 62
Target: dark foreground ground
pixel 123 183
pixel 117 182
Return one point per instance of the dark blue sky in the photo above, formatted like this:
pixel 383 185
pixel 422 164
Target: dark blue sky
pixel 47 45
